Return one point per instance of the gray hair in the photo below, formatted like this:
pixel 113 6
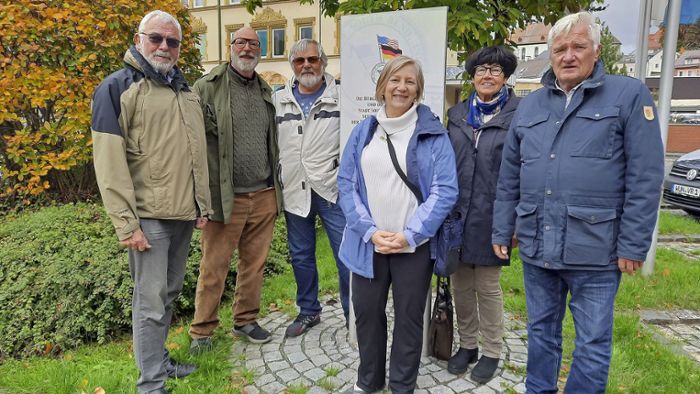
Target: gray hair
pixel 302 45
pixel 565 24
pixel 163 16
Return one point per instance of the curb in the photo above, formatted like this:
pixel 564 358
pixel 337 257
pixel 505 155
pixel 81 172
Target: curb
pixel 682 238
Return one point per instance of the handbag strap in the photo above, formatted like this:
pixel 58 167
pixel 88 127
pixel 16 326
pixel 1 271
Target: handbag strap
pixel 402 175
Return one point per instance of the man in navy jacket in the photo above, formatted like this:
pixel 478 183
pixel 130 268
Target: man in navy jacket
pixel 579 186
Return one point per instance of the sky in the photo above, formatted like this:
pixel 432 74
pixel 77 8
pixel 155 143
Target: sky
pixel 622 18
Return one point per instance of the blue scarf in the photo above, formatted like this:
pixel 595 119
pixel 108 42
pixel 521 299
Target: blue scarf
pixel 478 108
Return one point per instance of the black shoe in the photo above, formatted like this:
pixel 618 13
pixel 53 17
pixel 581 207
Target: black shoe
pixel 459 363
pixel 302 324
pixel 484 369
pixel 179 371
pixel 253 332
pixel 200 345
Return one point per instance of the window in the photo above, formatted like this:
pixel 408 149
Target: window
pixel 262 36
pixel 522 92
pixel 522 54
pixel 185 3
pixel 305 32
pixel 277 42
pixel 234 1
pixel 537 51
pixel 201 44
pixel 680 74
pixel 271 27
pixel 200 3
pixel 304 28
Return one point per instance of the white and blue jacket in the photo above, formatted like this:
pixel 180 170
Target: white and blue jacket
pixel 430 165
pixel 580 184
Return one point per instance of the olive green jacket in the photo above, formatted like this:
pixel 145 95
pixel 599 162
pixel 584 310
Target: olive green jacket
pixel 214 91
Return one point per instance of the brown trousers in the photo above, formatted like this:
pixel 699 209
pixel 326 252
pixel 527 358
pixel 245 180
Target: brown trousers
pixel 250 231
pixel 479 304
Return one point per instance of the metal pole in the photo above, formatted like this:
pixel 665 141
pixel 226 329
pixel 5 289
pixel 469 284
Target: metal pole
pixel 673 18
pixel 642 56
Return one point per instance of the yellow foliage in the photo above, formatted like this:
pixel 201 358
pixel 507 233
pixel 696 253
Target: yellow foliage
pixel 53 54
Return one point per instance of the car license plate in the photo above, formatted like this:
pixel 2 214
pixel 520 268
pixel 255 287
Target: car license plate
pixel 686 190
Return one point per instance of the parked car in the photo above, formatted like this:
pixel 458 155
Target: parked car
pixel 682 184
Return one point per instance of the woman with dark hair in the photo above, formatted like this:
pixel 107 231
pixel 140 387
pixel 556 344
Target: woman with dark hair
pixel 389 226
pixel 477 129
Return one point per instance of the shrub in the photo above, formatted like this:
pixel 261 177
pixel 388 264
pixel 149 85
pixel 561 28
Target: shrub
pixel 64 280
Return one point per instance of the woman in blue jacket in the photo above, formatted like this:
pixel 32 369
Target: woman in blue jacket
pixel 387 235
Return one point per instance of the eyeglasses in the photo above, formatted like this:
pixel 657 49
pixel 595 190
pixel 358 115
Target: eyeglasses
pixel 240 43
pixel 298 61
pixel 495 70
pixel 156 39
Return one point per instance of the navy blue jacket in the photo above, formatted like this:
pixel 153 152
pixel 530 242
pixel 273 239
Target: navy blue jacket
pixel 580 186
pixel 430 164
pixel 477 174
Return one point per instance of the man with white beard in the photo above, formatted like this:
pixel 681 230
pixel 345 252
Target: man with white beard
pixel 239 119
pixel 308 119
pixel 151 166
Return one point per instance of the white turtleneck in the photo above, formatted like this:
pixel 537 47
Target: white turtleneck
pixel 390 201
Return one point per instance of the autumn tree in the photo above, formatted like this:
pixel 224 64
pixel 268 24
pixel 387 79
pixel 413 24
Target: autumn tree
pixel 53 55
pixel 689 36
pixel 470 24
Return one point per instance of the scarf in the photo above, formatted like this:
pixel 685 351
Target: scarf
pixel 478 108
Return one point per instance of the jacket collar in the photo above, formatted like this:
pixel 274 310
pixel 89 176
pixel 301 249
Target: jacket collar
pixel 428 122
pixel 221 71
pixel 327 93
pixel 596 78
pixel 500 120
pixel 134 59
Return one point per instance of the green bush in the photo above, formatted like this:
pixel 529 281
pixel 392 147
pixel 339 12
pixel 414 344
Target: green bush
pixel 64 280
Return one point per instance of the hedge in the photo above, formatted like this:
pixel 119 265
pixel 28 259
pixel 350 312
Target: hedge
pixel 64 281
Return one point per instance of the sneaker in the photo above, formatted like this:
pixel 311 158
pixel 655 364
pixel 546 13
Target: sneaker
pixel 200 345
pixel 178 371
pixel 302 324
pixel 459 363
pixel 484 369
pixel 253 332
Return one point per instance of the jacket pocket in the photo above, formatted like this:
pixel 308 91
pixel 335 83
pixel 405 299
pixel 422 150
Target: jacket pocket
pixel 531 130
pixel 526 227
pixel 595 132
pixel 590 235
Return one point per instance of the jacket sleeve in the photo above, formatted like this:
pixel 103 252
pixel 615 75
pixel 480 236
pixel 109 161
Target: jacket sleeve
pixel 356 213
pixel 507 189
pixel 109 154
pixel 643 177
pixel 429 216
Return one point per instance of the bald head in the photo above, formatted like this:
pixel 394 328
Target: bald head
pixel 245 51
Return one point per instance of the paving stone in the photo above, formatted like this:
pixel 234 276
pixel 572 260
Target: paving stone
pixel 303 366
pixel 250 390
pixel 657 317
pixel 519 388
pixel 287 375
pixel 321 360
pixel 441 390
pixel 296 357
pixel 262 380
pixel 425 381
pixel 461 385
pixel 316 390
pixel 273 387
pixel 278 365
pixel 315 374
pixel 483 390
pixel 443 376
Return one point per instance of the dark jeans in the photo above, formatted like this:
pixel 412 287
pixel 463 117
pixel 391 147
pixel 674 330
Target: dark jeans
pixel 409 275
pixel 592 300
pixel 301 237
pixel 158 274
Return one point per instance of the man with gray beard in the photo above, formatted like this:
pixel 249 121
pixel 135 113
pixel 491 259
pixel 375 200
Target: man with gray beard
pixel 150 160
pixel 308 119
pixel 241 132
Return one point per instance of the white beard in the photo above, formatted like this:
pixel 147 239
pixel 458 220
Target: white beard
pixel 244 65
pixel 161 67
pixel 309 81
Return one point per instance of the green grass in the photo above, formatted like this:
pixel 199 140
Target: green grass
pixel 670 223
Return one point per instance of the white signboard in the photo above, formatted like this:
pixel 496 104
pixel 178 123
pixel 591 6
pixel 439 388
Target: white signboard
pixel 369 41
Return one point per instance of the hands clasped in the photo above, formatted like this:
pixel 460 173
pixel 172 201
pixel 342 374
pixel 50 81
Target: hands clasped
pixel 387 242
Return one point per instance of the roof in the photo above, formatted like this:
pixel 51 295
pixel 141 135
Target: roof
pixel 534 33
pixel 654 40
pixel 686 55
pixel 533 68
pixel 684 88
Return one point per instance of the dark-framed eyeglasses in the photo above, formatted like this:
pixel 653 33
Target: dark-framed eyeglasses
pixel 494 70
pixel 156 39
pixel 240 43
pixel 313 60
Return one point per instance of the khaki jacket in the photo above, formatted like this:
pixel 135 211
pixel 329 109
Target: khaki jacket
pixel 149 147
pixel 214 92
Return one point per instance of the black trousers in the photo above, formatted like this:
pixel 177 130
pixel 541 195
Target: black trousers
pixel 409 276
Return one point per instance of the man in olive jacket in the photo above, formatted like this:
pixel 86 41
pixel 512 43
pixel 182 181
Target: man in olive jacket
pixel 150 161
pixel 242 152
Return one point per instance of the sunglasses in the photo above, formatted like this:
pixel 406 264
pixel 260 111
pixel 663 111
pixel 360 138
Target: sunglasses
pixel 298 61
pixel 156 39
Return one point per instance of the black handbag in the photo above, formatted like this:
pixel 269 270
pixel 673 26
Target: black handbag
pixel 441 329
pixel 448 239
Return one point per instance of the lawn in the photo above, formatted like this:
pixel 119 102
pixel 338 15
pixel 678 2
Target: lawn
pixel 640 364
pixel 670 223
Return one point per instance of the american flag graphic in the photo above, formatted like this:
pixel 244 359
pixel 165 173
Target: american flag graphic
pixel 388 48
